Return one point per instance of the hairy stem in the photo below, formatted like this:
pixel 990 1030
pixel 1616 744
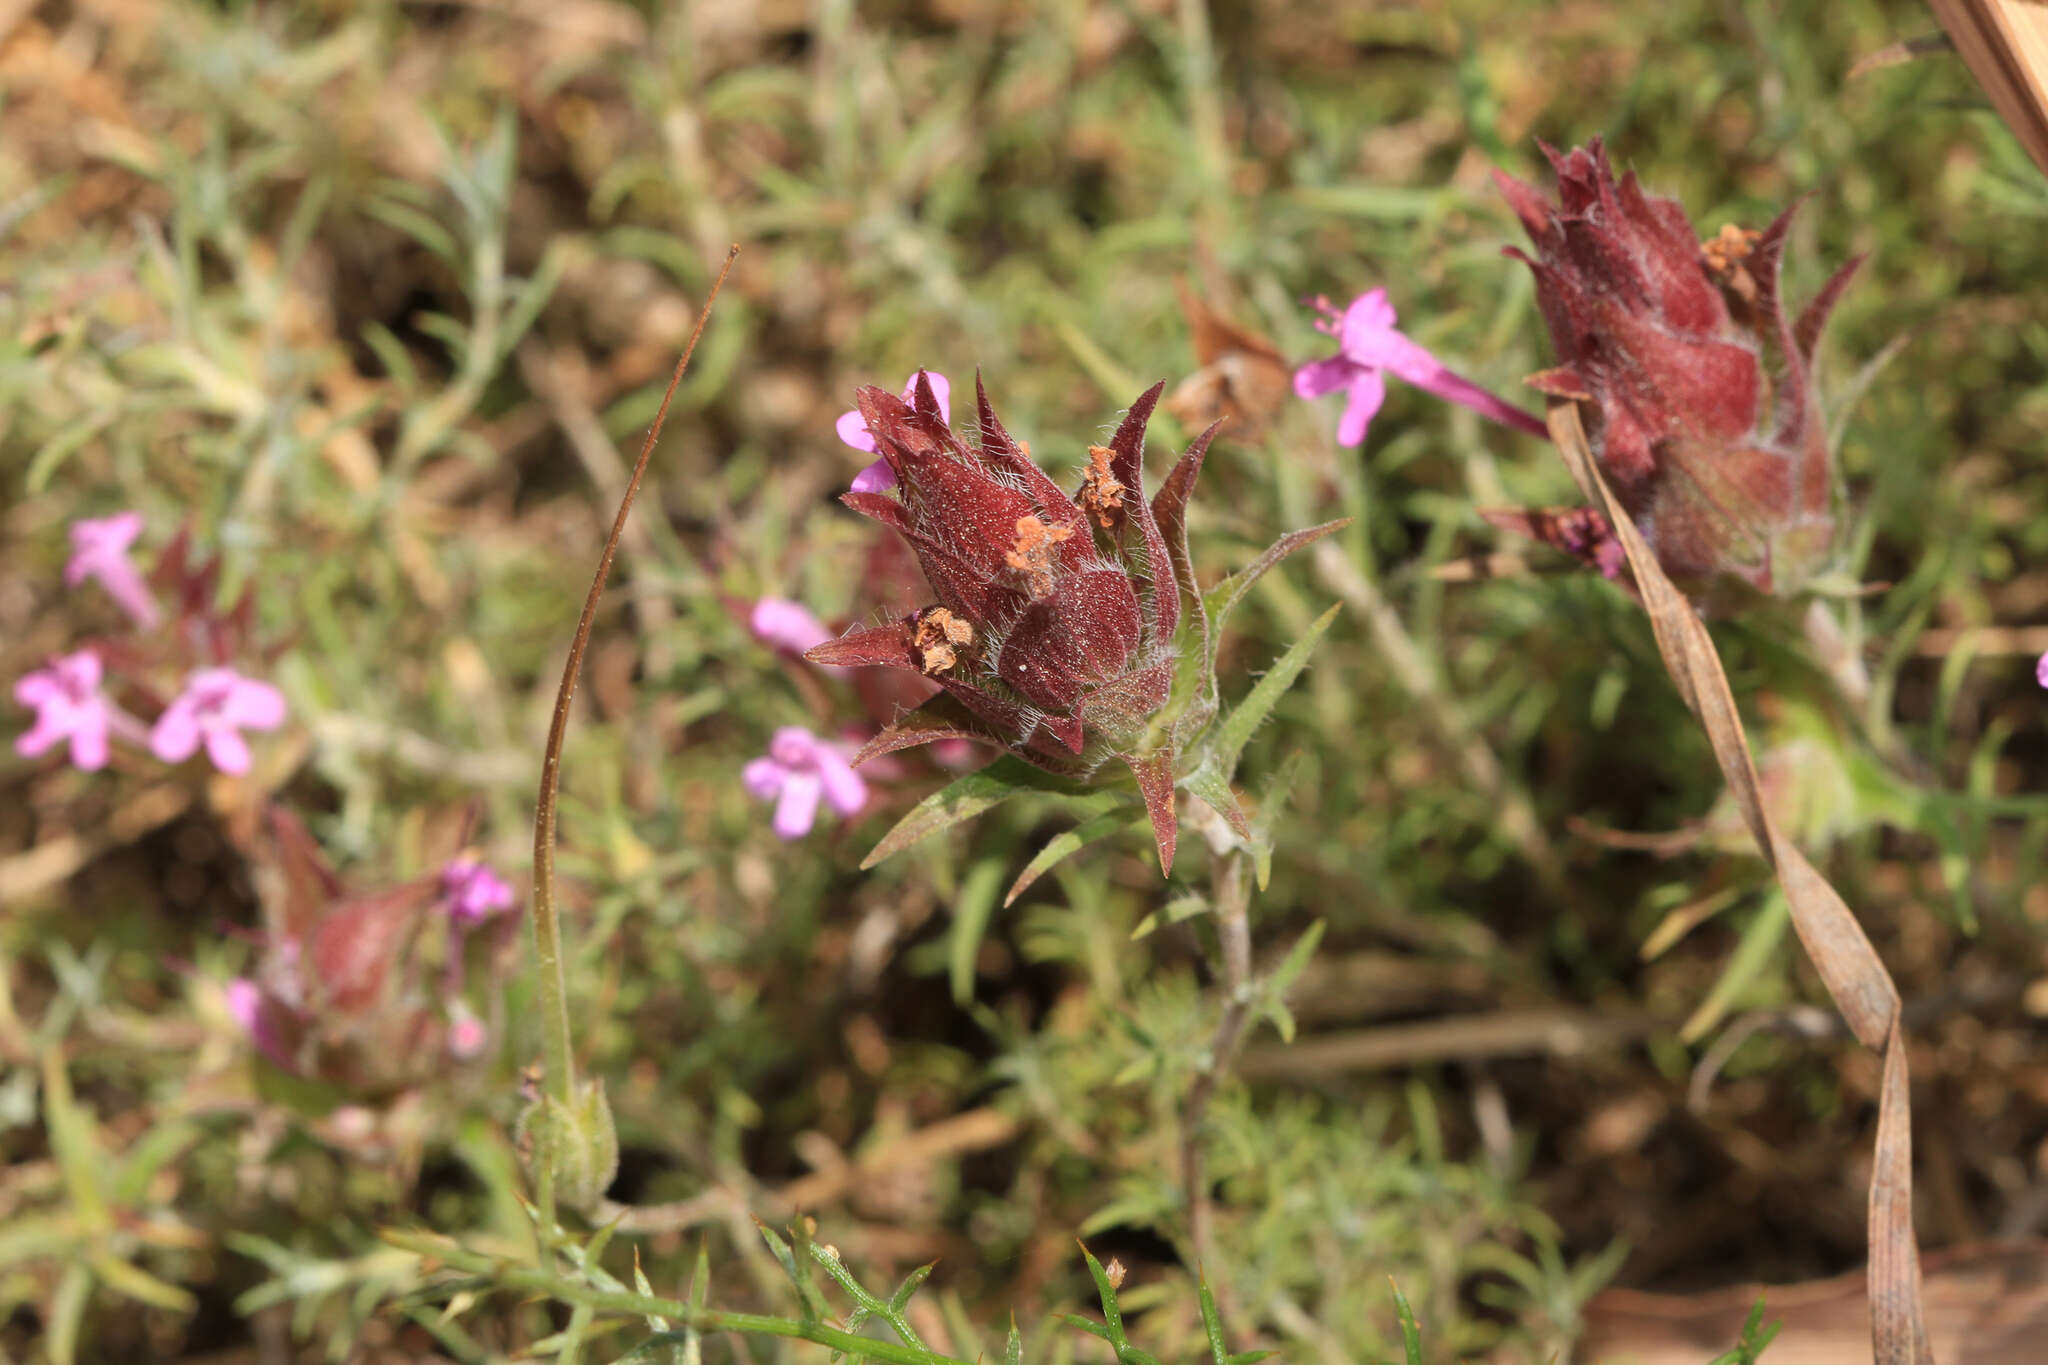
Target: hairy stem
pixel 556 1054
pixel 565 1290
pixel 1231 895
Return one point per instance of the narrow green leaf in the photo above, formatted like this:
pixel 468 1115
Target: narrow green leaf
pixel 142 1286
pixel 1013 1345
pixel 1212 1323
pixel 74 1145
pixel 1212 785
pixel 53 452
pixel 1065 844
pixel 1087 1325
pixel 533 296
pixel 67 1313
pixel 1757 949
pixel 1110 1313
pixel 392 354
pixel 966 797
pixel 1237 727
pixel 971 911
pixel 1411 1335
pixel 911 1282
pixel 419 226
pixel 150 1153
pixel 1222 599
pixel 1271 801
pixel 593 1251
pixel 806 1294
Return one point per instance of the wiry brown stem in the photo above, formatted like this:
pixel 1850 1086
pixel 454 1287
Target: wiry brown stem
pixel 556 1054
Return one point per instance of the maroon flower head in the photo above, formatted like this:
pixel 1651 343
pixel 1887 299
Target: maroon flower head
pixel 1053 634
pixel 1700 397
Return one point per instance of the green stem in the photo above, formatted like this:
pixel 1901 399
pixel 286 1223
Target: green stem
pixel 504 1276
pixel 556 1054
pixel 1231 895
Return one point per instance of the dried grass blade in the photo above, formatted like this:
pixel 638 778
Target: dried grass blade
pixel 2005 45
pixel 1849 966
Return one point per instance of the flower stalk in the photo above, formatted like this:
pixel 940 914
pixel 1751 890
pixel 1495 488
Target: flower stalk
pixel 1231 896
pixel 564 1116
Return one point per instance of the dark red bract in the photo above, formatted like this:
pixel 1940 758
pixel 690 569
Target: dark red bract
pixel 1701 403
pixel 1053 634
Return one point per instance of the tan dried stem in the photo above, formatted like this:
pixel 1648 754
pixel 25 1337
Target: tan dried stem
pixel 1848 965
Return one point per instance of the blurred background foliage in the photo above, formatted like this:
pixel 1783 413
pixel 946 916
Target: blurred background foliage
pixel 369 297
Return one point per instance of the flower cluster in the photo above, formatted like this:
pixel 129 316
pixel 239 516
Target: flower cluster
pixel 212 705
pixel 343 990
pixel 1698 390
pixel 1058 620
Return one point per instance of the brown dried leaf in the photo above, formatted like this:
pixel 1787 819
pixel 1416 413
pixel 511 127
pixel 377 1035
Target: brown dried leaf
pixel 1243 375
pixel 1849 966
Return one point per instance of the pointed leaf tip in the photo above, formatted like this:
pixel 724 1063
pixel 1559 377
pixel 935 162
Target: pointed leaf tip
pixel 1155 783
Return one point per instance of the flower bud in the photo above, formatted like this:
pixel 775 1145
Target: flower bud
pixel 1698 391
pixel 574 1143
pixel 1055 632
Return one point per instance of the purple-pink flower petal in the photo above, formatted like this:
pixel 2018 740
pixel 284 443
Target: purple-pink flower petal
pixel 763 777
pixel 2041 671
pixel 874 478
pixel 68 704
pixel 1368 348
pixel 215 707
pixel 787 625
pixel 473 892
pixel 1362 400
pixel 853 429
pixel 99 550
pixel 796 808
pixel 798 772
pixel 245 1005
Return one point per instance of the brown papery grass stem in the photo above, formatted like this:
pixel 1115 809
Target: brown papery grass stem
pixel 557 1056
pixel 1841 952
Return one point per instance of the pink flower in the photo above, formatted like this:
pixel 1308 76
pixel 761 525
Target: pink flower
pixel 1368 349
pixel 472 892
pixel 215 707
pixel 787 625
pixel 2041 671
pixel 798 769
pixel 853 429
pixel 68 705
pixel 466 1033
pixel 99 549
pixel 246 1006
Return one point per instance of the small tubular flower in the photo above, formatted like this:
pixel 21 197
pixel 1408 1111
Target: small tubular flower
pixel 1698 389
pixel 787 625
pixel 99 550
pixel 853 429
pixel 215 707
pixel 798 772
pixel 1055 633
pixel 69 705
pixel 1369 348
pixel 472 892
pixel 248 1007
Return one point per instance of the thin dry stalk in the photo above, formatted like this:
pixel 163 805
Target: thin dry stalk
pixel 557 1059
pixel 1848 965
